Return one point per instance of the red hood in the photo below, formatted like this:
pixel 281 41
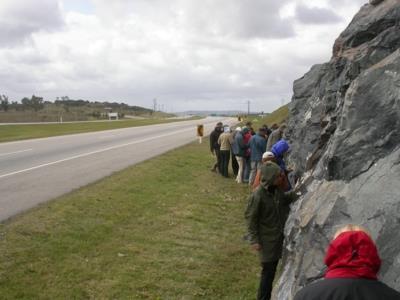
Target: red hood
pixel 352 254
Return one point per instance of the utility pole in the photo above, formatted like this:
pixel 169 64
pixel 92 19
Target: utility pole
pixel 154 104
pixel 248 107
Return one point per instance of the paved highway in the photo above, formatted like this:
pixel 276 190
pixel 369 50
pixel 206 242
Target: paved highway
pixel 38 170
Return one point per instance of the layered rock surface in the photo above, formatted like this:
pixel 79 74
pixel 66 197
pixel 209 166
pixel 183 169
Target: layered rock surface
pixel 344 131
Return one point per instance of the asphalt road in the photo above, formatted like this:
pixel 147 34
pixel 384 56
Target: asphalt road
pixel 38 170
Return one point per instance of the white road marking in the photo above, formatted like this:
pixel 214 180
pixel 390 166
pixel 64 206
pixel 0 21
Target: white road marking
pixel 108 136
pixel 95 152
pixel 10 153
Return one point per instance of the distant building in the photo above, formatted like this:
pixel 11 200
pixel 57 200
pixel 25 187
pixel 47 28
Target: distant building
pixel 113 116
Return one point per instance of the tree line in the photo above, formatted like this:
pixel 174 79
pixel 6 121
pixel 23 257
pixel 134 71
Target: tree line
pixel 35 103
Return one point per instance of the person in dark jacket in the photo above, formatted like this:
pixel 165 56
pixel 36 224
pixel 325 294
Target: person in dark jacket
pixel 266 214
pixel 214 146
pixel 235 163
pixel 267 130
pixel 246 162
pixel 353 264
pixel 239 149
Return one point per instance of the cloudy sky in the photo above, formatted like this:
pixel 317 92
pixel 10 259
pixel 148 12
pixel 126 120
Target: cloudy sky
pixel 188 54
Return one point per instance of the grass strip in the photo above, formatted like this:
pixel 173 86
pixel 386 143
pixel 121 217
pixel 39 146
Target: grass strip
pixel 167 228
pixel 30 131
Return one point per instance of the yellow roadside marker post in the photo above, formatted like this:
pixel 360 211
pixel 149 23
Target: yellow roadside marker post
pixel 200 132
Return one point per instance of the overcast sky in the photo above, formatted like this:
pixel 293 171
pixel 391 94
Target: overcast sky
pixel 188 54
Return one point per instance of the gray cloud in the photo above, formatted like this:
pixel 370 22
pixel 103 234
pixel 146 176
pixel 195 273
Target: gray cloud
pixel 337 3
pixel 315 15
pixel 20 19
pixel 260 19
pixel 188 54
pixel 231 18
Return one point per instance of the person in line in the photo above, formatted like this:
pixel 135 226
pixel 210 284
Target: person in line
pixel 247 166
pixel 267 156
pixel 274 126
pixel 353 263
pixel 275 136
pixel 214 146
pixel 268 131
pixel 257 148
pixel 249 126
pixel 239 149
pixel 234 164
pixel 279 149
pixel 225 141
pixel 266 214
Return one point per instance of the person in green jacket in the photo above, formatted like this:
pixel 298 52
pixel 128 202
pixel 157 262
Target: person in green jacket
pixel 266 214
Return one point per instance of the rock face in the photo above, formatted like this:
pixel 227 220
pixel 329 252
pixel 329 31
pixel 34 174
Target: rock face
pixel 344 131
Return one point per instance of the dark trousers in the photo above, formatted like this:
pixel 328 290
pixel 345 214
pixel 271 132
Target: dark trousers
pixel 225 155
pixel 246 169
pixel 235 165
pixel 267 278
pixel 217 165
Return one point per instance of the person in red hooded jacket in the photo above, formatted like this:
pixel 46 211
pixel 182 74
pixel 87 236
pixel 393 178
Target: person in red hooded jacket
pixel 353 263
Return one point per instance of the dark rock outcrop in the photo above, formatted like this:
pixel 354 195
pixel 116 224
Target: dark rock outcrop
pixel 375 2
pixel 344 132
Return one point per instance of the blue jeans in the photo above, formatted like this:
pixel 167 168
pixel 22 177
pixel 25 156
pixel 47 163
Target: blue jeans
pixel 255 165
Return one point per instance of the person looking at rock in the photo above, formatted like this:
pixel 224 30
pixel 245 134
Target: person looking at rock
pixel 266 157
pixel 266 214
pixel 353 263
pixel 275 136
pixel 279 150
pixel 214 146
